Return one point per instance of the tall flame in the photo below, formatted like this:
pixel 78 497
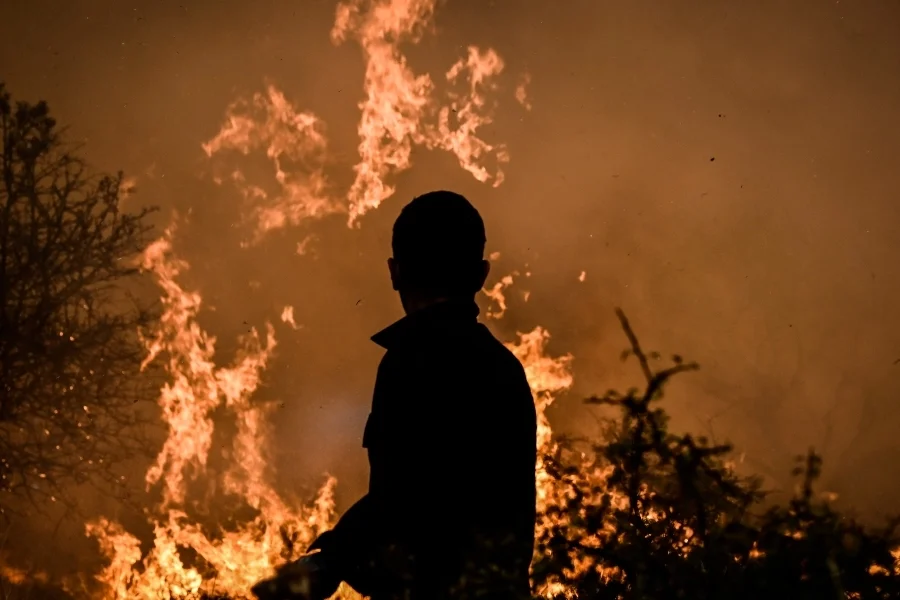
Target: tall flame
pixel 229 561
pixel 400 110
pixel 399 103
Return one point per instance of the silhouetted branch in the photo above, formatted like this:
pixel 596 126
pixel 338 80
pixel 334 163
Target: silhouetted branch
pixel 654 514
pixel 69 343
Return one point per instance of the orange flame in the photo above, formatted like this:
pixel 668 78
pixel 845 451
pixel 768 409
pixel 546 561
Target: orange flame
pixel 399 111
pixel 522 92
pixel 292 140
pixel 398 102
pixel 230 561
pixel 496 294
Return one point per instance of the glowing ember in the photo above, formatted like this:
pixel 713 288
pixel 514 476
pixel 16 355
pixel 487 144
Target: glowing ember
pixel 287 316
pixel 496 294
pixel 522 92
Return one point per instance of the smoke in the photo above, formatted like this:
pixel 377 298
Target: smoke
pixel 725 176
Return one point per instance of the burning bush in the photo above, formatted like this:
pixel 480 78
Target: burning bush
pixel 646 513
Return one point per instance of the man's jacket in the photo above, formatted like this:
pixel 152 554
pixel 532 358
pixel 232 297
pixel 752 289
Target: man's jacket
pixel 451 441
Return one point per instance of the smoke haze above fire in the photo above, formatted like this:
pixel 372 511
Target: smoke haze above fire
pixel 722 171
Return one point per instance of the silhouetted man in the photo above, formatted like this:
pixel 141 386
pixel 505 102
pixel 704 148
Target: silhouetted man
pixel 451 435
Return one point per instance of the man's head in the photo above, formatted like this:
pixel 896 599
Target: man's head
pixel 438 245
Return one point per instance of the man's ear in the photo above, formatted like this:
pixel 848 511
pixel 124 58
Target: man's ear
pixel 485 271
pixel 394 268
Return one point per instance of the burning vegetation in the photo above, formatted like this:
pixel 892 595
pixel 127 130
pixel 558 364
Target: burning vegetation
pixel 641 513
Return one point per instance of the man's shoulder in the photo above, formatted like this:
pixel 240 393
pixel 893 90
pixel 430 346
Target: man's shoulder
pixel 501 352
pixel 475 344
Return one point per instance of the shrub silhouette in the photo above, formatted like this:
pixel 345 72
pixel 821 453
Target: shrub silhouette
pixel 670 518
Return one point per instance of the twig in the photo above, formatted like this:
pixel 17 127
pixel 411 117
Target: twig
pixel 635 345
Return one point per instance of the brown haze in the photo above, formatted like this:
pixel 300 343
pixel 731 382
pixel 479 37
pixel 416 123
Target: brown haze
pixel 724 171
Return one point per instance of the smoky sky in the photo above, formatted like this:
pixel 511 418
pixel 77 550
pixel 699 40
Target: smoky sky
pixel 726 172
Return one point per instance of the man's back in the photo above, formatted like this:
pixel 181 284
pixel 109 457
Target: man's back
pixel 451 436
pixel 451 442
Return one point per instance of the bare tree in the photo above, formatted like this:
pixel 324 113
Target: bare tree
pixel 70 352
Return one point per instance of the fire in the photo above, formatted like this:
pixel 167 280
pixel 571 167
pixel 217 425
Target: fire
pixel 522 92
pixel 287 316
pixel 267 121
pixel 229 561
pixel 400 110
pixel 496 294
pixel 18 576
pixel 548 377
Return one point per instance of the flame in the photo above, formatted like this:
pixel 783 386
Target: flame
pixel 229 561
pixel 547 377
pixel 496 294
pixel 398 102
pixel 468 109
pixel 18 576
pixel 400 110
pixel 287 316
pixel 522 92
pixel 295 143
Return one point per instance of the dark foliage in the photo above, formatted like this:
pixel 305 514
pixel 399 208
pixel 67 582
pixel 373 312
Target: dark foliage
pixel 669 518
pixel 69 346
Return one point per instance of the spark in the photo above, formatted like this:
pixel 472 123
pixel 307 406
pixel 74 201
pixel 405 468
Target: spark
pixel 287 316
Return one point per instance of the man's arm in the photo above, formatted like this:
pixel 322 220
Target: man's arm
pixel 403 474
pixel 352 531
pixel 350 549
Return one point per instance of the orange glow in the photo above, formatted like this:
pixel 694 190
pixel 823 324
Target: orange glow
pixel 209 398
pixel 399 104
pixel 231 560
pixel 399 110
pixel 269 122
pixel 496 294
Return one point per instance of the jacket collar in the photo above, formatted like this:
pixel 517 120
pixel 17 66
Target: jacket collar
pixel 437 316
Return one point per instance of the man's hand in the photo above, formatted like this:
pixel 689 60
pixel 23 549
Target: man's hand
pixel 307 578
